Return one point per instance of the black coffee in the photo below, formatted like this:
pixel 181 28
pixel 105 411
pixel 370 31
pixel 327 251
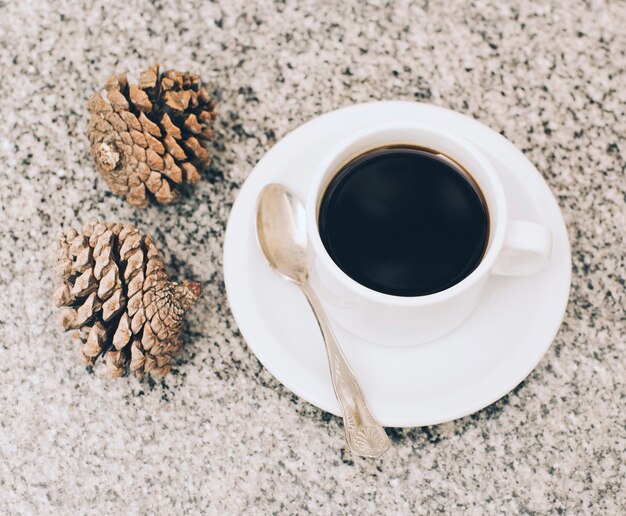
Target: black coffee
pixel 404 221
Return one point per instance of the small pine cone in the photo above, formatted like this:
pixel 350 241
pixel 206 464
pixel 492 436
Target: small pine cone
pixel 114 288
pixel 149 140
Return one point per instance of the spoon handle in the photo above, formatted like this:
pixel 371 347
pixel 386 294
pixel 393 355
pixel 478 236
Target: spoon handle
pixel 364 435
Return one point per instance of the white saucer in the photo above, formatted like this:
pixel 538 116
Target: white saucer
pixel 464 371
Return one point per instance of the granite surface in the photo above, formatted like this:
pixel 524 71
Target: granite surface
pixel 220 435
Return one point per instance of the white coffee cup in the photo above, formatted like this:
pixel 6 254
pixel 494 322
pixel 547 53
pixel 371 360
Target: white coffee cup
pixel 514 247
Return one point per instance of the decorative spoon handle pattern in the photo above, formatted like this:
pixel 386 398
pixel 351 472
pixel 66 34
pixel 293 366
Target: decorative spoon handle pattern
pixel 364 435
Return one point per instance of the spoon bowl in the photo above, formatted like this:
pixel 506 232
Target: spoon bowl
pixel 281 232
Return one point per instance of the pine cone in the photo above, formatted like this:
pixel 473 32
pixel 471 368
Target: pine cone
pixel 150 140
pixel 116 291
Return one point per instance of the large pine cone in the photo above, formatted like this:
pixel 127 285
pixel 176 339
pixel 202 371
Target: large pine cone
pixel 150 140
pixel 115 289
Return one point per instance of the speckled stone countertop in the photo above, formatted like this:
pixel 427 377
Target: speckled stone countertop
pixel 221 436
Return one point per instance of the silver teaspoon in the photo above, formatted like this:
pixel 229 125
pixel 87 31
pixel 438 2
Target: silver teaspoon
pixel 281 233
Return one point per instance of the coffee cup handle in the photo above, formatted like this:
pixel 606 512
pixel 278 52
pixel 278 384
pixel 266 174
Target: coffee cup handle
pixel 526 250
